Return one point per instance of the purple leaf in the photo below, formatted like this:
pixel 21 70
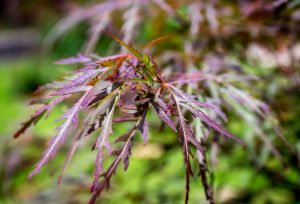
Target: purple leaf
pixel 74 60
pixel 162 114
pixel 77 84
pixel 98 97
pixel 123 154
pixel 38 114
pixel 98 170
pixel 71 90
pixel 143 127
pixel 190 78
pixel 70 116
pixel 145 132
pixel 185 98
pixel 247 100
pixel 50 106
pixel 27 124
pixel 126 153
pixel 185 134
pixel 123 138
pixel 102 141
pixel 208 121
pixel 125 118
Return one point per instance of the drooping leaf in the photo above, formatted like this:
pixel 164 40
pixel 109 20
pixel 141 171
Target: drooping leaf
pixel 185 134
pixel 69 116
pixel 123 154
pixel 248 101
pixel 162 114
pixel 143 127
pixel 209 122
pixel 27 124
pixel 103 142
pixel 46 109
pixel 75 143
pixel 102 110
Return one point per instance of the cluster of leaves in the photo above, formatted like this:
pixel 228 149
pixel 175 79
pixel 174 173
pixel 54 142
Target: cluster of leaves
pixel 123 88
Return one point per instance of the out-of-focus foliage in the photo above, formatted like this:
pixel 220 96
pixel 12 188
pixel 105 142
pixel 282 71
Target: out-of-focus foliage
pixel 258 38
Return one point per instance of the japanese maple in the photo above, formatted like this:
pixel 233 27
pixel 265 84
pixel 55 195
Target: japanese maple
pixel 126 87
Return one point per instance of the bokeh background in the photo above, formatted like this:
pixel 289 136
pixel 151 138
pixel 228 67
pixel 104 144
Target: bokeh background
pixel 263 41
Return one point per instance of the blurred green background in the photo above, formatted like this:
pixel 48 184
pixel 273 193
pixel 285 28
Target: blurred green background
pixel 156 171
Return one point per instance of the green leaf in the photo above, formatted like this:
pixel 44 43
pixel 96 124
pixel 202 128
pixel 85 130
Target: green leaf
pixel 129 47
